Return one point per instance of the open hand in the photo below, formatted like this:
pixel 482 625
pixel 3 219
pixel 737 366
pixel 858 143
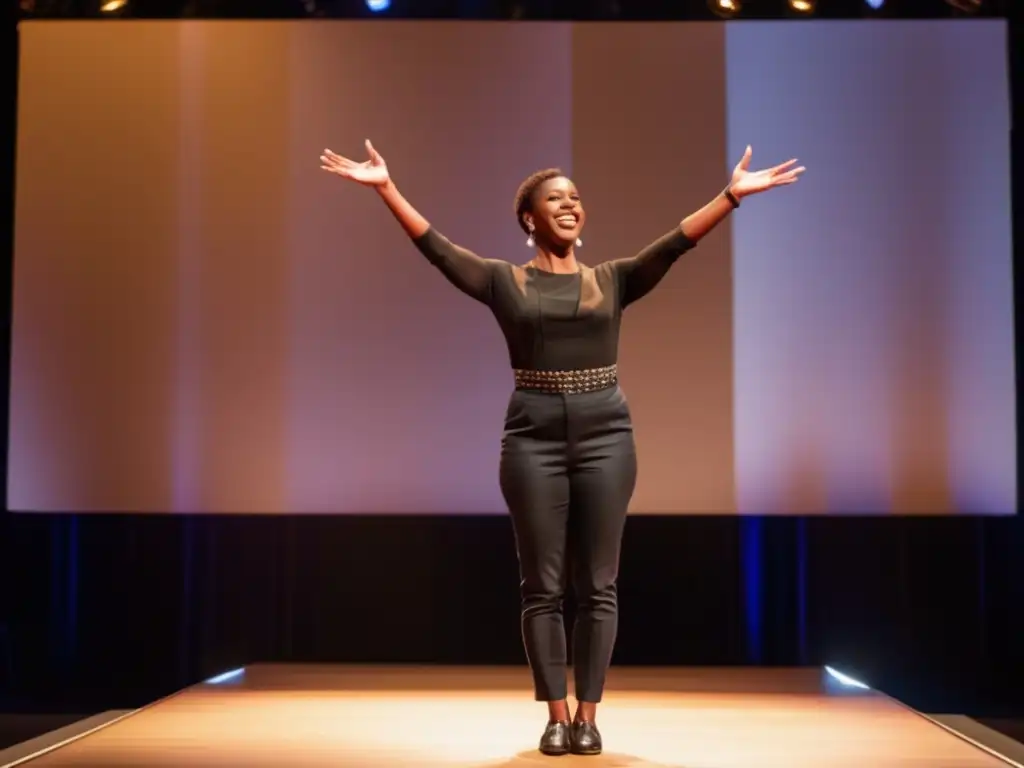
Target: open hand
pixel 372 172
pixel 747 182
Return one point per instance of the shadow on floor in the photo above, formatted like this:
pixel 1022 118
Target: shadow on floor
pixel 534 758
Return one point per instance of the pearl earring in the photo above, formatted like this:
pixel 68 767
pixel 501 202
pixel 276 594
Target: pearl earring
pixel 579 242
pixel 530 242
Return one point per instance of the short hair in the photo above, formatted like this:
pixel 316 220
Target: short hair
pixel 526 191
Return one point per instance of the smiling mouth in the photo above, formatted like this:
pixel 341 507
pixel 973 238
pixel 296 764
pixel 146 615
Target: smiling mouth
pixel 566 221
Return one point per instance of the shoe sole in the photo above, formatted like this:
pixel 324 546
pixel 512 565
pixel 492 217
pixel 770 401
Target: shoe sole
pixel 554 752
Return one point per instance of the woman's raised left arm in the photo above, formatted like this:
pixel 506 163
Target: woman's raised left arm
pixel 638 275
pixel 744 183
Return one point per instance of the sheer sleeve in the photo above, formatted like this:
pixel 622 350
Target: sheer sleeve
pixel 468 272
pixel 637 276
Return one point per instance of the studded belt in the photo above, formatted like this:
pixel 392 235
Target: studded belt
pixel 567 382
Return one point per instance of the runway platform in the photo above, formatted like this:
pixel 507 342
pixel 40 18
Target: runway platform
pixel 377 717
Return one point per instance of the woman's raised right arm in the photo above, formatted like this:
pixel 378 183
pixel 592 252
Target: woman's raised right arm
pixel 468 272
pixel 412 221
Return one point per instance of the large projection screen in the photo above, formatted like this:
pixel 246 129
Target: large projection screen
pixel 206 322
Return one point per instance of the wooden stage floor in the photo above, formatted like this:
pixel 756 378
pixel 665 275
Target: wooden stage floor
pixel 375 717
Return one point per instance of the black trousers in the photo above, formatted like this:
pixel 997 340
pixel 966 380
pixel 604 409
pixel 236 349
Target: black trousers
pixel 568 470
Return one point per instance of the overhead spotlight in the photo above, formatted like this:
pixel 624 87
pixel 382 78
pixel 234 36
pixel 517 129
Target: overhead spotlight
pixel 725 8
pixel 802 6
pixel 377 6
pixel 112 6
pixel 875 5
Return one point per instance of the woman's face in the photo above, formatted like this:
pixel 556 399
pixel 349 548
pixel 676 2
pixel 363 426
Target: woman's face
pixel 557 214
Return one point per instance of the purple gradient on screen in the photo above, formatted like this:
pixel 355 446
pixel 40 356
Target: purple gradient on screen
pixel 187 429
pixel 873 301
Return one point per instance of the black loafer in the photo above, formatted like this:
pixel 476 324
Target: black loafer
pixel 556 739
pixel 586 739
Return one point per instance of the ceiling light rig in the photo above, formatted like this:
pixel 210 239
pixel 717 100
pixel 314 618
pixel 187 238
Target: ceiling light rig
pixel 726 9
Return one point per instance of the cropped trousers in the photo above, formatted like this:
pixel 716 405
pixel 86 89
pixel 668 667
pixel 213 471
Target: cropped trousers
pixel 567 473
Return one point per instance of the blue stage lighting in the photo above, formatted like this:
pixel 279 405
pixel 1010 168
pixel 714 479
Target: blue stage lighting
pixel 226 676
pixel 846 680
pixel 378 5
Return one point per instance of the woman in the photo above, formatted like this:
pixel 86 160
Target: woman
pixel 568 461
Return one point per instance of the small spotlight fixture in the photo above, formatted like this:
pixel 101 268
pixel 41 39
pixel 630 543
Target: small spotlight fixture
pixel 802 6
pixel 113 6
pixel 725 8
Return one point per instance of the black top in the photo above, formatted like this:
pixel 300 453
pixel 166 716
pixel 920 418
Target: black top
pixel 556 322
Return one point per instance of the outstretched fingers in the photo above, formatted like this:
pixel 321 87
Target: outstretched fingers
pixel 373 153
pixel 335 163
pixel 782 167
pixel 332 158
pixel 789 176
